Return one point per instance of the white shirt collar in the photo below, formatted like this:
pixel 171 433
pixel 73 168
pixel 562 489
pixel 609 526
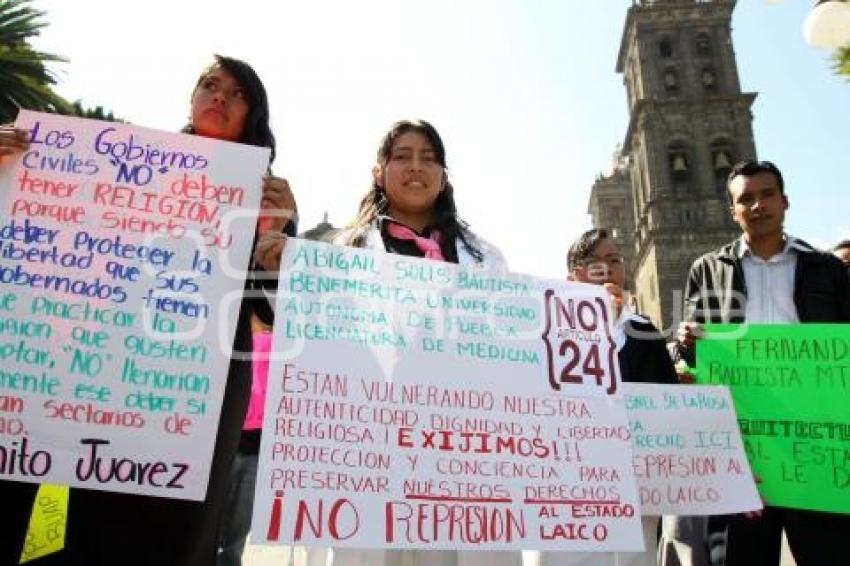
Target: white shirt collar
pixel 626 314
pixel 770 283
pixel 619 330
pixel 791 243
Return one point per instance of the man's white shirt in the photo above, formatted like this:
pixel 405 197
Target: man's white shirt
pixel 770 284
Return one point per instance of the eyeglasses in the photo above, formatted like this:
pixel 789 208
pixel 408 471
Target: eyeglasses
pixel 611 261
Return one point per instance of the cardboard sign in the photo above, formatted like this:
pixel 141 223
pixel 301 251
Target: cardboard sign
pixel 791 386
pixel 420 404
pixel 123 253
pixel 688 455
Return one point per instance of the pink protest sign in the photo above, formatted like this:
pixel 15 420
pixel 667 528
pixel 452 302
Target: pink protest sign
pixel 123 253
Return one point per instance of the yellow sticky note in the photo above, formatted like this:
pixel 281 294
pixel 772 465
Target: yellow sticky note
pixel 46 532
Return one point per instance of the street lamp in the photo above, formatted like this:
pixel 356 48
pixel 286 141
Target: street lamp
pixel 828 24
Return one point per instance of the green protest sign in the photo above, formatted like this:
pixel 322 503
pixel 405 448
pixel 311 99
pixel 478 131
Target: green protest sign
pixel 791 389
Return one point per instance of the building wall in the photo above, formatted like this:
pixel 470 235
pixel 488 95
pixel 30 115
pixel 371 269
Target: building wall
pixel 646 286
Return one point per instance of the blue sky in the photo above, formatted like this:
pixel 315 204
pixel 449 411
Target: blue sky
pixel 523 92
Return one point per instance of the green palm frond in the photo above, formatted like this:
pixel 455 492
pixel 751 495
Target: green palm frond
pixel 18 22
pixel 25 61
pixel 25 80
pixel 841 61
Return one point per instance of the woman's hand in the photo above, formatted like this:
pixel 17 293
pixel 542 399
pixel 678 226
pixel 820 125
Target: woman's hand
pixel 688 334
pixel 277 205
pixel 12 141
pixel 269 249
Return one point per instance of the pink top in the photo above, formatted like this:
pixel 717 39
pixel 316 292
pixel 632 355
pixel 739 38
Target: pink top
pixel 260 375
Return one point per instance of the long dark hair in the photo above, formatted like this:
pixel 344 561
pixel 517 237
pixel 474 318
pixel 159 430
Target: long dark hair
pixel 257 130
pixel 445 217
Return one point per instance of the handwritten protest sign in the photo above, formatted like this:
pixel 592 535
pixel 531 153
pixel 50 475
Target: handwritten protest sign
pixel 791 386
pixel 122 259
pixel 688 455
pixel 420 404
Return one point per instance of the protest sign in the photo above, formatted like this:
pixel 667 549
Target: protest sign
pixel 123 253
pixel 688 455
pixel 421 404
pixel 791 387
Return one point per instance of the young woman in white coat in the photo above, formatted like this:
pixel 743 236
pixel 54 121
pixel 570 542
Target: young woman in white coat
pixel 410 210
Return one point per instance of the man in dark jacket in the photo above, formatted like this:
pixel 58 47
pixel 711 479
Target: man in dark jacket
pixel 766 276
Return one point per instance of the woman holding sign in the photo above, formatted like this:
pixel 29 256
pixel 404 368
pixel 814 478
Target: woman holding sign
pixel 229 102
pixel 17 498
pixel 410 210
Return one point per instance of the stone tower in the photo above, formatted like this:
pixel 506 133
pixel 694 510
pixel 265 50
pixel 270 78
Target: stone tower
pixel 688 123
pixel 610 207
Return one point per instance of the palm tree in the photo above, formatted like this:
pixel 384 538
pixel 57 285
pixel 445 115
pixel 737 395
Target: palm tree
pixel 25 81
pixel 841 61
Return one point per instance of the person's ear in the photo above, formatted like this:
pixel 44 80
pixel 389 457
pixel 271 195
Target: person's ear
pixel 378 175
pixel 787 203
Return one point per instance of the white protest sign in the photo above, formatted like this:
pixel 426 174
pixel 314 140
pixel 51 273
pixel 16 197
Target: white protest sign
pixel 419 404
pixel 123 253
pixel 688 454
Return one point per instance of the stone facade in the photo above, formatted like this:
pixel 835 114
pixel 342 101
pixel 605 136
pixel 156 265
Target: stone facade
pixel 688 123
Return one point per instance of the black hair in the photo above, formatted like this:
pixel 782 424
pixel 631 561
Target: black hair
pixel 748 168
pixel 445 217
pixel 257 130
pixel 583 246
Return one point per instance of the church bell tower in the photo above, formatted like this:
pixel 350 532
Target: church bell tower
pixel 689 123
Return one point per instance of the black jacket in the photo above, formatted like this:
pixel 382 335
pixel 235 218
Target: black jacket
pixel 644 357
pixel 716 291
